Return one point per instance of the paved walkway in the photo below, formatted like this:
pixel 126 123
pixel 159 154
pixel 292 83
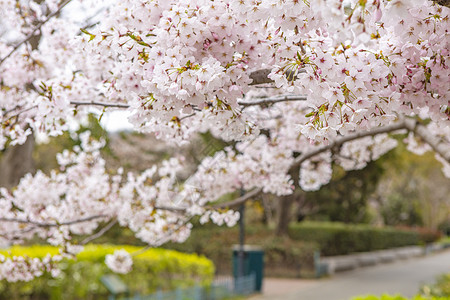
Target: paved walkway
pixel 403 277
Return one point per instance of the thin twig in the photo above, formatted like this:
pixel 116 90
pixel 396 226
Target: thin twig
pixel 171 208
pixel 99 233
pixel 272 100
pixel 167 235
pixel 187 116
pixel 38 27
pixel 239 200
pixel 437 144
pixel 375 131
pixel 96 103
pixel 40 224
pixel 19 113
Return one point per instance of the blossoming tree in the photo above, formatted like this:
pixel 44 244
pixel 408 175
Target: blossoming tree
pixel 296 84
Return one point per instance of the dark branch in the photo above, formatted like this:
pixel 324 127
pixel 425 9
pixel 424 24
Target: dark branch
pixel 40 224
pixel 260 76
pixel 95 103
pixel 239 200
pixel 274 99
pixel 351 137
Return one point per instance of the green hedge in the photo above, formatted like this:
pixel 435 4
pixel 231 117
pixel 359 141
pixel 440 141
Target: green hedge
pixel 338 238
pixel 152 270
pixel 387 297
pixel 282 256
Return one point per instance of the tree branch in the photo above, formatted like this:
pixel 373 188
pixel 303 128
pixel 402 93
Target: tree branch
pixel 299 160
pixel 375 131
pixel 38 27
pixel 434 142
pixel 99 233
pixel 171 208
pixel 239 200
pixel 260 76
pixel 95 103
pixel 40 224
pixel 271 100
pixel 162 239
pixel 258 101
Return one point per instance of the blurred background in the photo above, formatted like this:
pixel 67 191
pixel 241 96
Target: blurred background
pixel 400 201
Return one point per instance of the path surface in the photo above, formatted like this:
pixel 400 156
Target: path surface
pixel 403 277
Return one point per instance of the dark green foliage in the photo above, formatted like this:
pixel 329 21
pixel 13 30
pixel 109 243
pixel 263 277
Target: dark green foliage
pixel 345 198
pixel 339 238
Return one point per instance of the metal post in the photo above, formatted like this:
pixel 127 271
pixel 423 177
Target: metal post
pixel 241 237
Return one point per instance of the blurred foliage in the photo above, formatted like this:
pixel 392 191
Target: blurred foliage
pixel 345 197
pixel 414 191
pixel 440 289
pixel 398 297
pixel 445 240
pixel 80 279
pixel 400 188
pixel 283 256
pixel 44 154
pixel 339 238
pixel 445 227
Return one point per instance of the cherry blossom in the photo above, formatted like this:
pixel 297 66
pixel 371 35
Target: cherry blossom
pixel 120 261
pixel 292 85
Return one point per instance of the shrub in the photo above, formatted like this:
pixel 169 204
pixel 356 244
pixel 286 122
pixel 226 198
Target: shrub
pixel 429 236
pixel 80 278
pixel 339 238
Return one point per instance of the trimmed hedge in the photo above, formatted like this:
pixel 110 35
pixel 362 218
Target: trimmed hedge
pixel 80 278
pixel 339 238
pixel 387 297
pixel 282 256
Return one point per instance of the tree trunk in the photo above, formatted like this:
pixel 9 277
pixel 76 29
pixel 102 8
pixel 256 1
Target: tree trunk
pixel 16 162
pixel 285 205
pixel 284 214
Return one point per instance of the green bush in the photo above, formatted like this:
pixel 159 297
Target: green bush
pixel 338 238
pixel 80 278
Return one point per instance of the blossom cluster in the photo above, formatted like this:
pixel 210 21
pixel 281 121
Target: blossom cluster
pixel 19 268
pixel 120 261
pixel 360 63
